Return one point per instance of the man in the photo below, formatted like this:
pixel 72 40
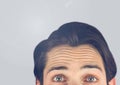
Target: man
pixel 75 54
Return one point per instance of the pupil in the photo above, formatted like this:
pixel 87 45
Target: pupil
pixel 58 78
pixel 91 79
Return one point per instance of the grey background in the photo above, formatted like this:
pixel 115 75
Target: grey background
pixel 24 23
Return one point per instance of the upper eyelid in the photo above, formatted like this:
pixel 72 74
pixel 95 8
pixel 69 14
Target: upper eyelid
pixel 96 72
pixel 56 72
pixel 60 74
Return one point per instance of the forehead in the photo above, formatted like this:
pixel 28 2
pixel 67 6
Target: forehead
pixel 73 48
pixel 65 52
pixel 73 58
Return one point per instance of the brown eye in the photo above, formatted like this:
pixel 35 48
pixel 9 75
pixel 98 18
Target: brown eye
pixel 59 78
pixel 90 79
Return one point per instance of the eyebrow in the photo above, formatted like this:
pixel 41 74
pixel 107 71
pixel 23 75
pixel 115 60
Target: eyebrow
pixel 83 67
pixel 91 66
pixel 58 68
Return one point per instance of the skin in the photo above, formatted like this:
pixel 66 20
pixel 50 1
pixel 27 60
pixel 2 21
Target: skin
pixel 81 65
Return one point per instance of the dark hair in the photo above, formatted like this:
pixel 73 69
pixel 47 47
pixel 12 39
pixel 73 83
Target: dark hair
pixel 74 34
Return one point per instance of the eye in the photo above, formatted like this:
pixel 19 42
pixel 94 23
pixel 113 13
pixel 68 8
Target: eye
pixel 90 79
pixel 59 78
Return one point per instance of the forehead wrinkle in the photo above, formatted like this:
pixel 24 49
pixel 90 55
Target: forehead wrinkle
pixel 66 54
pixel 56 63
pixel 59 59
pixel 72 50
pixel 70 58
pixel 67 47
pixel 71 55
pixel 64 60
pixel 68 62
pixel 83 52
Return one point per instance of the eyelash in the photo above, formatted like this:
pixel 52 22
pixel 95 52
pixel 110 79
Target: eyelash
pixel 86 78
pixel 59 76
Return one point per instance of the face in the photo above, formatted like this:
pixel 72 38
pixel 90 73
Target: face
pixel 81 65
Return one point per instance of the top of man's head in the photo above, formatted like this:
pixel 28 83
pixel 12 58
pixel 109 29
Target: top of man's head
pixel 74 34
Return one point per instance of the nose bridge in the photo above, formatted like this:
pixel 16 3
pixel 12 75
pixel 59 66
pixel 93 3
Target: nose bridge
pixel 74 80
